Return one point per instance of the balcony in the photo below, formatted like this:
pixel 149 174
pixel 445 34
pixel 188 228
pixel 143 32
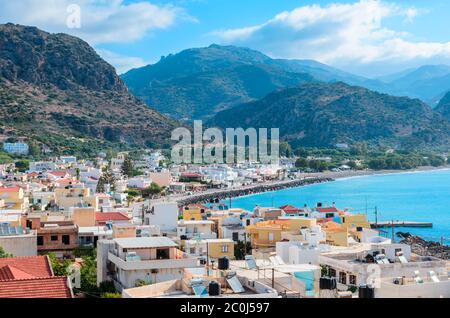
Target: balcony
pixel 181 261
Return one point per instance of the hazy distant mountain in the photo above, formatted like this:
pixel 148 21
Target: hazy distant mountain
pixel 56 90
pixel 323 114
pixel 197 83
pixel 429 82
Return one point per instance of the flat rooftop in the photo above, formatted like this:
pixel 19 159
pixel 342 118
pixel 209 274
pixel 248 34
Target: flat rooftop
pixel 145 242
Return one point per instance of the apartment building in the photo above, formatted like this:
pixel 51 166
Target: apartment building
pixel 131 262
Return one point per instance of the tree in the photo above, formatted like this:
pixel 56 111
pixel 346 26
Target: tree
pixel 318 165
pixel 111 295
pixel 151 191
pixel 22 165
pixel 127 167
pixel 59 268
pixel 301 152
pixel 301 163
pixel 285 149
pixel 106 178
pixel 88 273
pixel 3 254
pixel 241 249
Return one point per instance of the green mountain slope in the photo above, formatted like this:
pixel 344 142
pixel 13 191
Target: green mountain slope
pixel 320 114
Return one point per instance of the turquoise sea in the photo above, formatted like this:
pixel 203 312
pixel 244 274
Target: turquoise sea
pixel 415 196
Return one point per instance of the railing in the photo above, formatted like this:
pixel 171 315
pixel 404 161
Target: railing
pixel 152 264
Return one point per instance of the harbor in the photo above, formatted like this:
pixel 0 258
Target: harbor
pixel 388 224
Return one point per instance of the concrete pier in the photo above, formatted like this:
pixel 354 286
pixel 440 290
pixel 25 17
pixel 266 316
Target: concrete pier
pixel 388 224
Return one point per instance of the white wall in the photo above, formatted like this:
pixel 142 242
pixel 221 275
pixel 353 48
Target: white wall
pixel 424 290
pixel 165 216
pixel 20 245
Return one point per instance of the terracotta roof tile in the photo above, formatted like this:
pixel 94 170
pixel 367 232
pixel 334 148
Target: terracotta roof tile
pixel 35 266
pixel 49 287
pixel 111 216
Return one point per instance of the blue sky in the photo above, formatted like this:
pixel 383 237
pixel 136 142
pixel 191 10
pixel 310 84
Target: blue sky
pixel 367 37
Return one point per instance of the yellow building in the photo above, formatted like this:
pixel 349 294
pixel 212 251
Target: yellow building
pixel 213 248
pixel 83 216
pixel 194 212
pixel 73 197
pixel 267 233
pixel 124 230
pixel 14 198
pixel 192 215
pixel 355 221
pixel 220 248
pixel 336 234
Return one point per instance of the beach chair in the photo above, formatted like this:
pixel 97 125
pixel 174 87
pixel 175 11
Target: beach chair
pixel 417 277
pixel 402 259
pixel 433 276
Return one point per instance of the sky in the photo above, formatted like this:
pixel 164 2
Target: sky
pixel 366 37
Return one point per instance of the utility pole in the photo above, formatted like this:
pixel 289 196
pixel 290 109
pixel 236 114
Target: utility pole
pixel 376 217
pixel 393 235
pixel 273 277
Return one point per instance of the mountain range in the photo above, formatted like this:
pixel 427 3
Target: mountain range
pixel 56 90
pixel 324 114
pixel 198 83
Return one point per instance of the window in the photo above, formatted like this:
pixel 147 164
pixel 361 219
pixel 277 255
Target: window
pixel 224 248
pixel 332 272
pixel 195 230
pixel 235 236
pixel 162 253
pixel 342 278
pixel 192 250
pixel 352 279
pixel 54 238
pixel 40 240
pixel 271 237
pixel 66 239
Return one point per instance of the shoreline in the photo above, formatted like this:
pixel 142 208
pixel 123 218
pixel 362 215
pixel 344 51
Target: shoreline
pixel 304 180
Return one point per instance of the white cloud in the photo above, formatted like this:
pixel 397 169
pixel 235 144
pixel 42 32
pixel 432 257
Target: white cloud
pixel 101 21
pixel 337 34
pixel 122 63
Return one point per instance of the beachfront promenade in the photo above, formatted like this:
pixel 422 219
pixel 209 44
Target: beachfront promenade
pixel 260 187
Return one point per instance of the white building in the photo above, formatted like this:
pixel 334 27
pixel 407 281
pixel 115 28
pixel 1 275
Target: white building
pixel 139 182
pixel 41 166
pixel 354 265
pixel 68 159
pixel 164 215
pixel 132 262
pixel 196 229
pixel 429 286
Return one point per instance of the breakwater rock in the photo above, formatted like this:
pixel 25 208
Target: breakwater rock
pixel 249 190
pixel 425 248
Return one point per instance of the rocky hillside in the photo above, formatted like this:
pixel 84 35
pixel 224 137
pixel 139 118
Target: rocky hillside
pixel 56 90
pixel 320 114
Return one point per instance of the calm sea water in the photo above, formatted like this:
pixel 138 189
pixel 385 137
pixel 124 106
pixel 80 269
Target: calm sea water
pixel 416 196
